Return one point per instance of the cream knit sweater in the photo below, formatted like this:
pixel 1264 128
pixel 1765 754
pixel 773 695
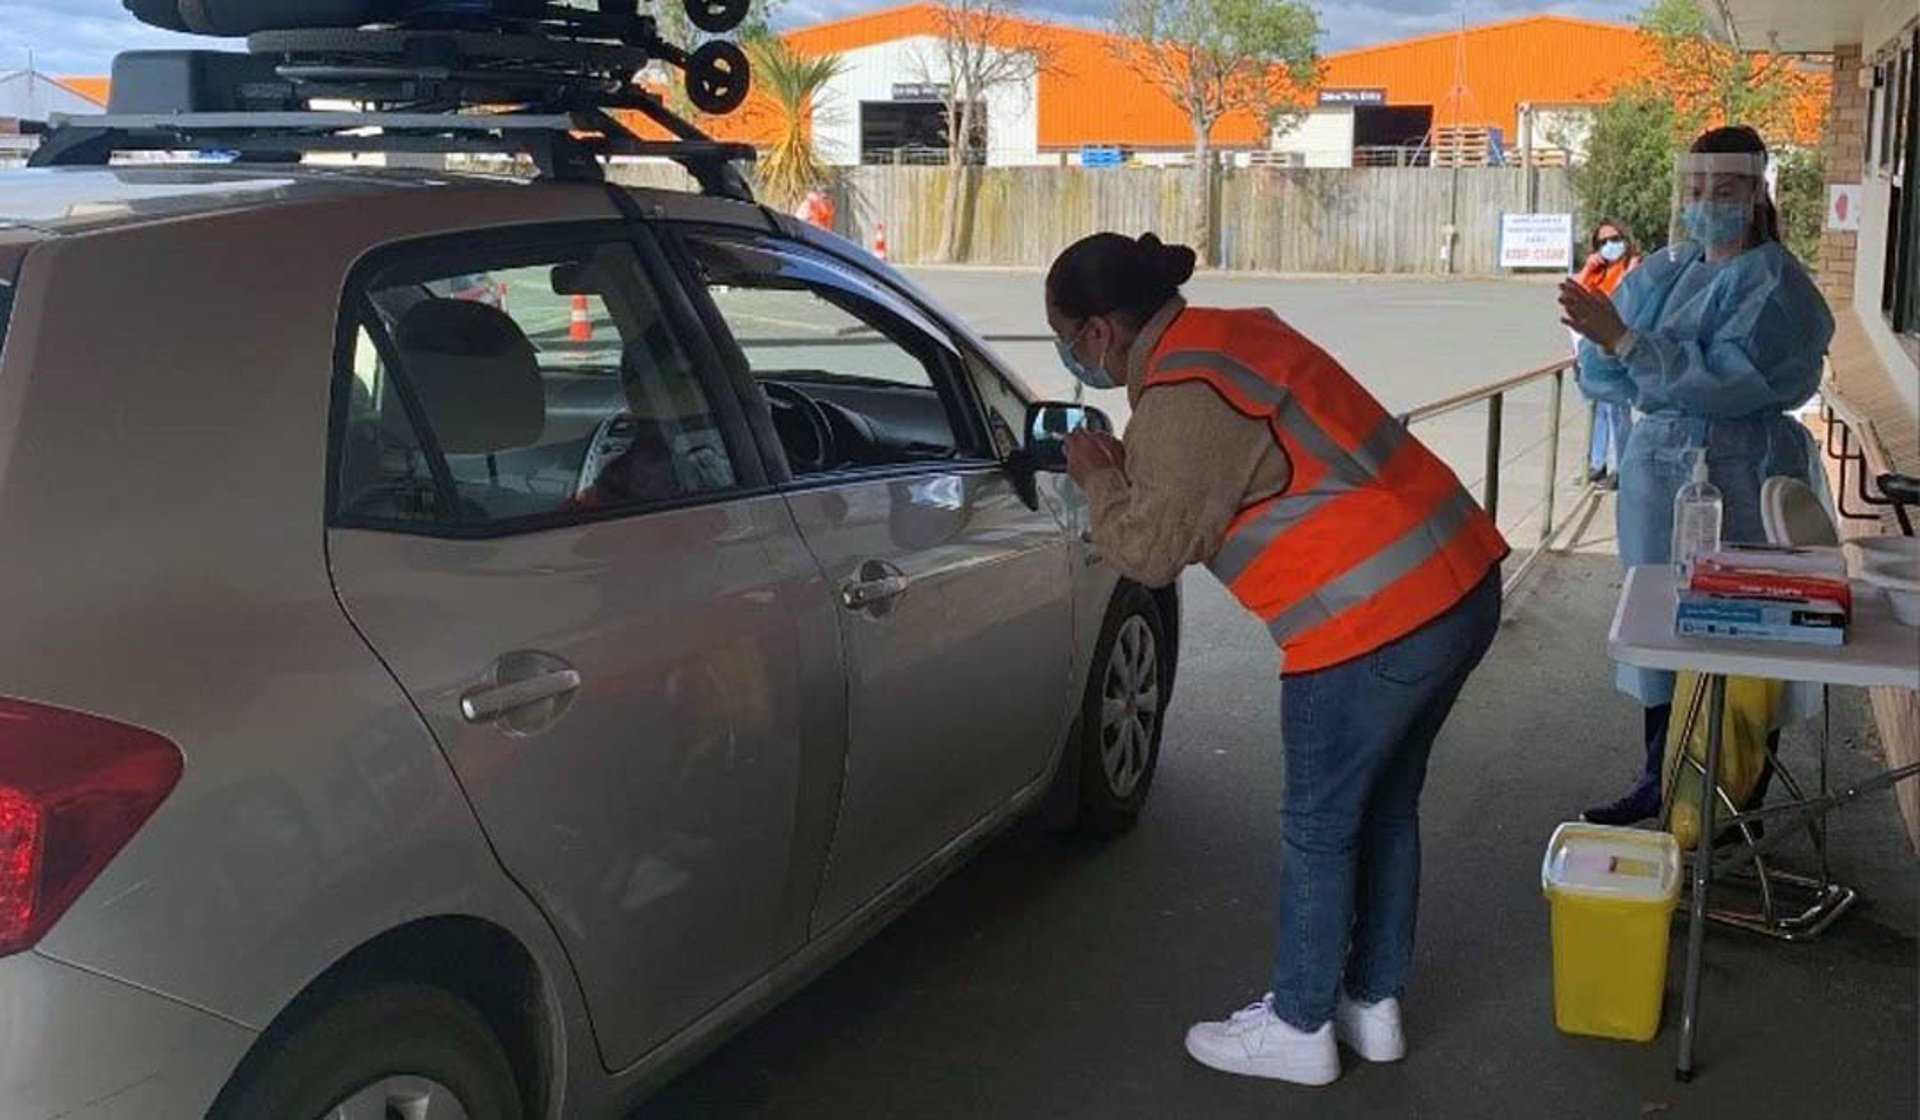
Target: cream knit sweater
pixel 1193 463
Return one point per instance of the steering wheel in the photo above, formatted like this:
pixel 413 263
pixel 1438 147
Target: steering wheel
pixel 804 430
pixel 611 438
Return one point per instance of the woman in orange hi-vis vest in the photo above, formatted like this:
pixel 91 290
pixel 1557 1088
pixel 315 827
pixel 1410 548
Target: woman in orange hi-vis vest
pixel 1612 257
pixel 1253 452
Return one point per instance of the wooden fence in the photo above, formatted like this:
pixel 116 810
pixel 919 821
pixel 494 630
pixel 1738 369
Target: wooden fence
pixel 1351 220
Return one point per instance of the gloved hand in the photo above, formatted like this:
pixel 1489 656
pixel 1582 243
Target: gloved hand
pixel 1089 453
pixel 1592 314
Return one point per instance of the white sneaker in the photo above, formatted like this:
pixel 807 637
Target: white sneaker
pixel 1257 1043
pixel 1371 1030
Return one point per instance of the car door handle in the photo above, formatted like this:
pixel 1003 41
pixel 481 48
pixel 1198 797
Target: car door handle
pixel 489 704
pixel 864 593
pixel 877 584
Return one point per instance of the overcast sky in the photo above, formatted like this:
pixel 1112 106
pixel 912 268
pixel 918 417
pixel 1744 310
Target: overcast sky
pixel 81 36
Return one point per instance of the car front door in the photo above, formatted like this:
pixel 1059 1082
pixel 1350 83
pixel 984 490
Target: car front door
pixel 551 522
pixel 953 593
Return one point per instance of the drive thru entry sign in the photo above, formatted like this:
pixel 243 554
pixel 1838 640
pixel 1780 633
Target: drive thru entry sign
pixel 1536 241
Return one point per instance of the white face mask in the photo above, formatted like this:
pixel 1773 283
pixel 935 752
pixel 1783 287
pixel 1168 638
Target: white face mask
pixel 1093 377
pixel 1613 251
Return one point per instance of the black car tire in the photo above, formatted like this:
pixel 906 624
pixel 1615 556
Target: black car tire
pixel 308 1067
pixel 1108 808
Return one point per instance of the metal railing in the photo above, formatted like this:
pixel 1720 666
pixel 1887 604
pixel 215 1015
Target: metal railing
pixel 1494 396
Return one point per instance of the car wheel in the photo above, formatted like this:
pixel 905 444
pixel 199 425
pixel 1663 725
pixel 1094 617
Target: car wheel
pixel 1118 731
pixel 395 1050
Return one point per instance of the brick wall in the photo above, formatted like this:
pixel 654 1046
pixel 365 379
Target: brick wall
pixel 1846 149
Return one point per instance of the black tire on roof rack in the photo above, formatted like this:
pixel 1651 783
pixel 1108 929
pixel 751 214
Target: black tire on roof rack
pixel 717 17
pixel 717 77
pixel 464 44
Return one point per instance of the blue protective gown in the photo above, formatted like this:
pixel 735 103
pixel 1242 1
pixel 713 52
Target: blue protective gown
pixel 1724 350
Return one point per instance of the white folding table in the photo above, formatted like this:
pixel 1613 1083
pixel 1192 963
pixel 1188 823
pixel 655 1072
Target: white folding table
pixel 1879 651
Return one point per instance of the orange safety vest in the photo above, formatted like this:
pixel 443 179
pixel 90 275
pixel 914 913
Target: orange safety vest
pixel 1600 276
pixel 1373 537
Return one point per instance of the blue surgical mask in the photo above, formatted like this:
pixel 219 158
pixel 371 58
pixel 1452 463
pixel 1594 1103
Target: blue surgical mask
pixel 1716 222
pixel 1093 377
pixel 1613 251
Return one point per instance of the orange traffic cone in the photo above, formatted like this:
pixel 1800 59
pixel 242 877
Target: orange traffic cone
pixel 579 327
pixel 880 240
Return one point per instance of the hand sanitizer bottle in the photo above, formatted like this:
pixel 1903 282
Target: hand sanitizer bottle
pixel 1696 517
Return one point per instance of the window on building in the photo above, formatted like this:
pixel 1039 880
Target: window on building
pixel 1900 120
pixel 918 132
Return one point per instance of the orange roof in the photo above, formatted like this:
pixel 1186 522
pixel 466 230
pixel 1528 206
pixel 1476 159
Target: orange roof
pixel 93 89
pixel 1082 61
pixel 1089 96
pixel 1543 59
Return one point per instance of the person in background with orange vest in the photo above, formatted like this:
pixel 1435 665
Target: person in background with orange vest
pixel 1612 257
pixel 816 208
pixel 1253 452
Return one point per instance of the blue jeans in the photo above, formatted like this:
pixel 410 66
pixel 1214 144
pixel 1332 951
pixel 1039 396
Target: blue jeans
pixel 1612 424
pixel 1358 736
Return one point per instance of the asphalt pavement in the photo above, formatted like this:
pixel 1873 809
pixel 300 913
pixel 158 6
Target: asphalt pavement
pixel 1055 979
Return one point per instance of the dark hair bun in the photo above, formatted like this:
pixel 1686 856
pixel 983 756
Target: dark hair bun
pixel 1113 274
pixel 1170 265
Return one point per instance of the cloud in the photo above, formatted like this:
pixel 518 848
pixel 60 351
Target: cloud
pixel 82 36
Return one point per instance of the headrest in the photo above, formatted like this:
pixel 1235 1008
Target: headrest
pixel 476 374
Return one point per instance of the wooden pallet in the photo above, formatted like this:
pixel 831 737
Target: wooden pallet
pixel 1462 147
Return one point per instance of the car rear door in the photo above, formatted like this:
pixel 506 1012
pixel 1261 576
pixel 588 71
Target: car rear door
pixel 954 595
pixel 550 521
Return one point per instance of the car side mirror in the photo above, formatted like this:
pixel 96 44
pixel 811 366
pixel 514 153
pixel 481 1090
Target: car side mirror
pixel 1048 425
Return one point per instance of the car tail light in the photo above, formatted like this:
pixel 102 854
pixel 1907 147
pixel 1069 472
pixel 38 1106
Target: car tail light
pixel 73 790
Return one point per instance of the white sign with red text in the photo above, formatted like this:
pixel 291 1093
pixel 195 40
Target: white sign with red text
pixel 1536 241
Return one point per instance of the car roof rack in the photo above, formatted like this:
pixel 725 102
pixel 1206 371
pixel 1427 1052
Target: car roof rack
pixel 530 78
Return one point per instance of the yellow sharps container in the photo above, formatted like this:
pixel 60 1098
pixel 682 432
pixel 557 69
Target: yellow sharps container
pixel 1611 892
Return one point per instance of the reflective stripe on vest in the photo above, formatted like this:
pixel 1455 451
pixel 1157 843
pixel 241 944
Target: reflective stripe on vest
pixel 1378 572
pixel 1347 471
pixel 1385 536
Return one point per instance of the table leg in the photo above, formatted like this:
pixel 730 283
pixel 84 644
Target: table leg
pixel 1702 873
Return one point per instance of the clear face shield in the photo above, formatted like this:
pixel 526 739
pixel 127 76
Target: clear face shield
pixel 1716 196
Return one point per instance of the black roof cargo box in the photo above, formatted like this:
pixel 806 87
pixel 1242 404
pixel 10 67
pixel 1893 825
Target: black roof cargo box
pixel 244 17
pixel 197 82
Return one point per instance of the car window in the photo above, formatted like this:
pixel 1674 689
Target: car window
pixel 1006 405
pixel 383 467
pixel 6 309
pixel 795 332
pixel 853 379
pixel 543 385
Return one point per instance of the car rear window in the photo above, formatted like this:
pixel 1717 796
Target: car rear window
pixel 6 308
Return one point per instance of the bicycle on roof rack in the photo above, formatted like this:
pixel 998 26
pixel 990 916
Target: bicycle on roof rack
pixel 523 77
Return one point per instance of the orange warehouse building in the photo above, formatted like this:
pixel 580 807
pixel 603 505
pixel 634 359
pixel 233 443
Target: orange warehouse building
pixel 1374 104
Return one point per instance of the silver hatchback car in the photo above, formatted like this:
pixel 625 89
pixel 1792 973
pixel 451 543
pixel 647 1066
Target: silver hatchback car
pixel 474 643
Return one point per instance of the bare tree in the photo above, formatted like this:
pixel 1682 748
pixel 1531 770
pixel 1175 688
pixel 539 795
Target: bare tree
pixel 1214 58
pixel 983 46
